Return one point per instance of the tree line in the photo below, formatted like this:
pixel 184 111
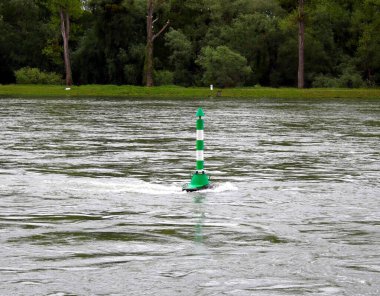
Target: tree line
pixel 227 43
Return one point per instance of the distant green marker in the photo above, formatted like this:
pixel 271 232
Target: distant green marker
pixel 199 180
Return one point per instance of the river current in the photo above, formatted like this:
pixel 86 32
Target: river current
pixel 91 200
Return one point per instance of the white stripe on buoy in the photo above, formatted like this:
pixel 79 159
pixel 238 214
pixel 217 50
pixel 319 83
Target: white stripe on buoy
pixel 200 135
pixel 199 154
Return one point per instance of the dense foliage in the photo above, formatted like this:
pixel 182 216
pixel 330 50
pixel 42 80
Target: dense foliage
pixel 225 43
pixel 35 76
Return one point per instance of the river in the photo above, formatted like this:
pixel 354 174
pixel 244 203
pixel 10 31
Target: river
pixel 91 200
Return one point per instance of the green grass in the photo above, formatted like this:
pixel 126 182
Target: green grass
pixel 182 92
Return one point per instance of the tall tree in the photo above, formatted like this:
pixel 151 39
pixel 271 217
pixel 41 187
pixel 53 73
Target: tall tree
pixel 180 57
pixel 112 50
pixel 66 9
pixel 301 45
pixel 23 35
pixel 65 31
pixel 150 37
pixel 367 19
pixel 223 67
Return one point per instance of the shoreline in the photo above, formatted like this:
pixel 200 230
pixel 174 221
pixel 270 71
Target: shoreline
pixel 169 92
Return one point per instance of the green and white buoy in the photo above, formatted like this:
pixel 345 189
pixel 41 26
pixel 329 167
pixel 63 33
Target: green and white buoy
pixel 199 180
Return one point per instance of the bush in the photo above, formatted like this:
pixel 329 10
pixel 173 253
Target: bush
pixel 29 75
pixel 163 77
pixel 325 81
pixel 181 56
pixel 131 74
pixel 223 67
pixel 350 78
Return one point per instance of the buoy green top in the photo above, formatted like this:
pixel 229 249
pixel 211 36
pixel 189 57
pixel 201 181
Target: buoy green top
pixel 200 112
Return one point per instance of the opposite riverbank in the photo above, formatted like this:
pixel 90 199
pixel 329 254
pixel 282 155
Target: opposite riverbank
pixel 183 92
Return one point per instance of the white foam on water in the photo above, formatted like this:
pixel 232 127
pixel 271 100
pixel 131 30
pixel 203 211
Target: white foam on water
pixel 133 185
pixel 222 187
pixel 139 186
pixel 126 185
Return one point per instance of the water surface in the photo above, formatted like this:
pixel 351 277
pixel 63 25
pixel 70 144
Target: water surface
pixel 90 198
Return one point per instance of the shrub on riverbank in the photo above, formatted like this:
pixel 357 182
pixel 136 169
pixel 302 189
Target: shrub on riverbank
pixel 29 75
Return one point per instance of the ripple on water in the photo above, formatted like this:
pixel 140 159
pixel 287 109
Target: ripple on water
pixel 91 200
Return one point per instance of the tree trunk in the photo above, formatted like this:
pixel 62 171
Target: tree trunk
pixel 301 45
pixel 150 37
pixel 65 30
pixel 149 45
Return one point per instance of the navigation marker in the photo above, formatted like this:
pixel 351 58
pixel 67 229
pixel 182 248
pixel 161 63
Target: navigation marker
pixel 199 180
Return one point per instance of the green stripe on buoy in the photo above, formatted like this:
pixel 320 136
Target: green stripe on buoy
pixel 200 124
pixel 200 144
pixel 200 165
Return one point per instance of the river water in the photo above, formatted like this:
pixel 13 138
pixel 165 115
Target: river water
pixel 91 201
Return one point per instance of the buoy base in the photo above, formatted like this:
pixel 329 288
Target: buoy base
pixel 189 189
pixel 199 181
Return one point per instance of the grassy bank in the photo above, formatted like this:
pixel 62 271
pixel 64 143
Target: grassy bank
pixel 181 92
